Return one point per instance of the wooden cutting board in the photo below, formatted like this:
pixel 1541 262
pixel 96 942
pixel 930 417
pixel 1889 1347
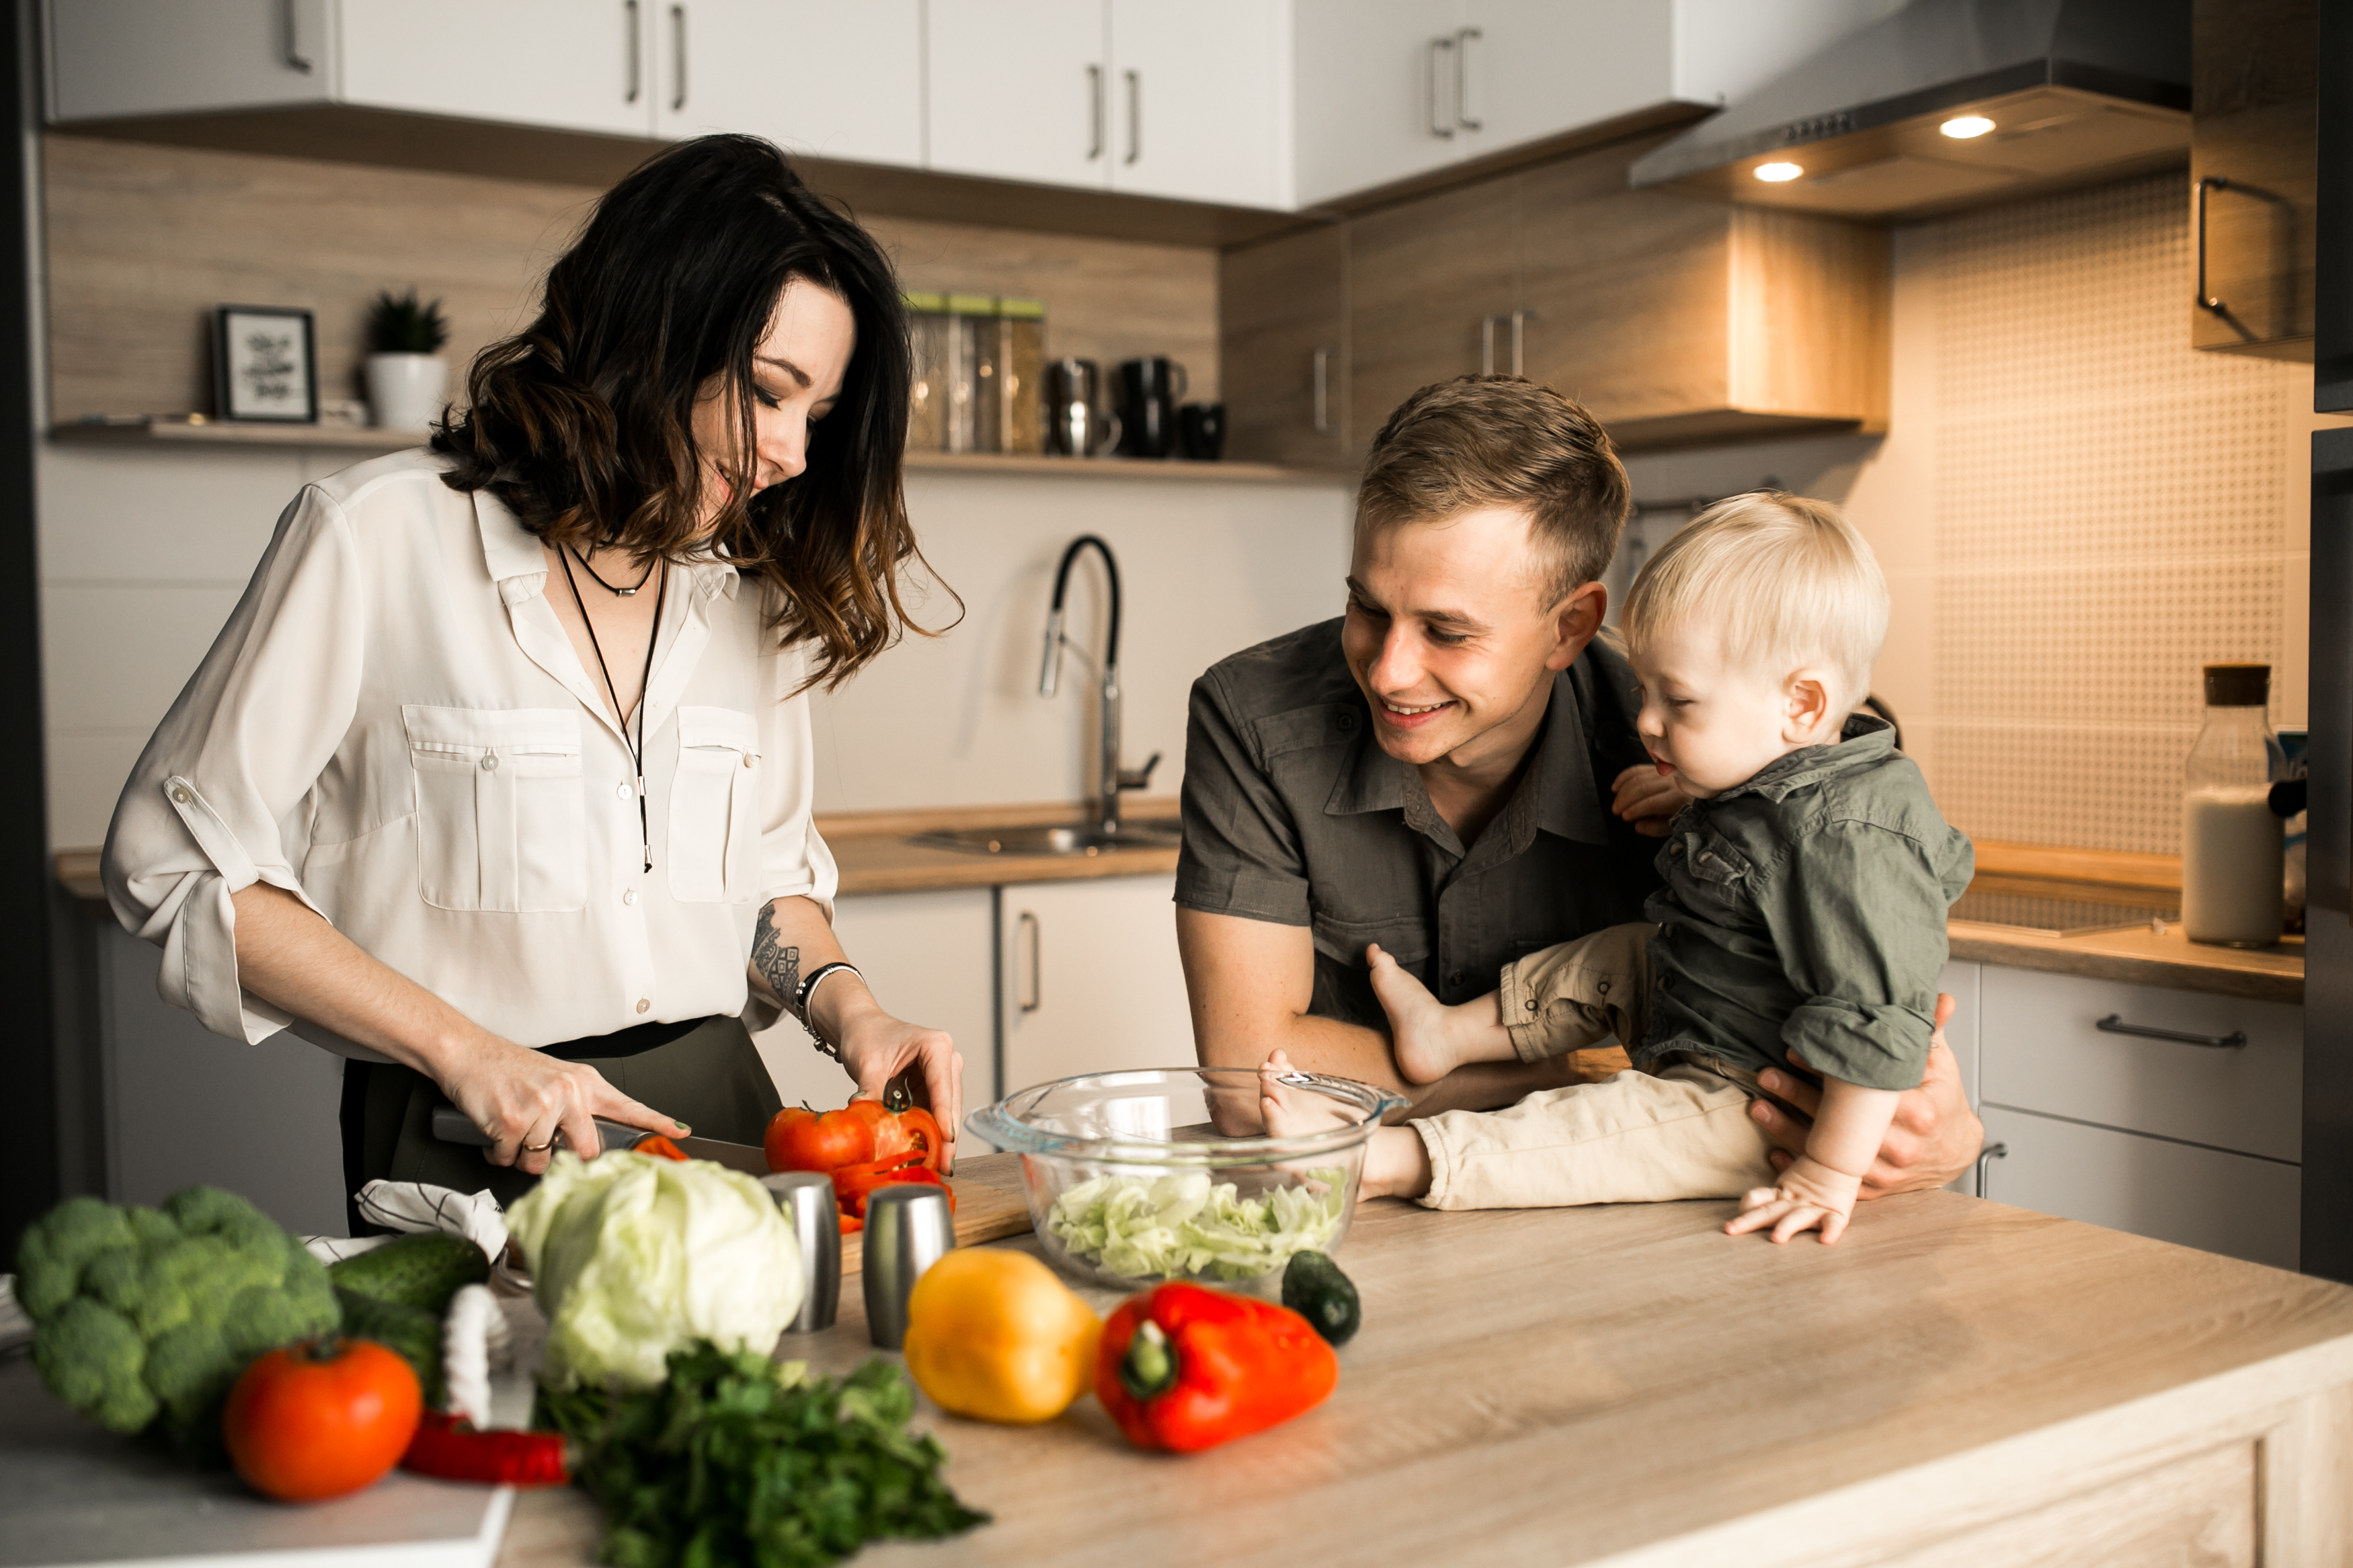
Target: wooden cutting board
pixel 990 1205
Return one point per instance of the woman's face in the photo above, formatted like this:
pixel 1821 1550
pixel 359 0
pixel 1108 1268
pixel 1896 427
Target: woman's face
pixel 796 373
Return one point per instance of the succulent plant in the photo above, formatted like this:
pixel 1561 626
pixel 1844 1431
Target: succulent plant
pixel 402 326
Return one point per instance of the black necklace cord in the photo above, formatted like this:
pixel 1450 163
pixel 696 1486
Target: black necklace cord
pixel 645 684
pixel 609 588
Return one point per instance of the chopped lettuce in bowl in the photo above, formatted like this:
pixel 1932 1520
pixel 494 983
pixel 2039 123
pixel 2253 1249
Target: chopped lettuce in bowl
pixel 1184 1226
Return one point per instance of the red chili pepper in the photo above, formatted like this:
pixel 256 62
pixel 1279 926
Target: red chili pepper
pixel 1184 1368
pixel 660 1147
pixel 448 1448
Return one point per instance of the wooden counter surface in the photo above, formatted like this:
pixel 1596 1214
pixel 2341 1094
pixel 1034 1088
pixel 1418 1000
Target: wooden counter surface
pixel 1956 1383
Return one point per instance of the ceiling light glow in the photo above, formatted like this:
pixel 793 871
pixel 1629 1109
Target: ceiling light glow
pixel 1962 127
pixel 1776 173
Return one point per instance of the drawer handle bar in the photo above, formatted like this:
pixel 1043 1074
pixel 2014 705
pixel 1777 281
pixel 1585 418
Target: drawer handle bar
pixel 2113 1023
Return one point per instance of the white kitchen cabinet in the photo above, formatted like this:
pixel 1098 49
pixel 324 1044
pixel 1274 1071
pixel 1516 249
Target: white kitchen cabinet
pixel 2236 1205
pixel 2183 1141
pixel 1959 981
pixel 112 57
pixel 1090 979
pixel 832 81
pixel 574 65
pixel 2045 1052
pixel 1200 100
pixel 928 958
pixel 1386 89
pixel 1019 89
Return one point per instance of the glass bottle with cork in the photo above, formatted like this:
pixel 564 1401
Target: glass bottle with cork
pixel 2232 875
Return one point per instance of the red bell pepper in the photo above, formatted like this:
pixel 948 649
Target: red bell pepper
pixel 1184 1368
pixel 660 1147
pixel 448 1448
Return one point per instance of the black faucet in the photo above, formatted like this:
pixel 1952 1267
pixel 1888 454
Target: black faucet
pixel 1114 777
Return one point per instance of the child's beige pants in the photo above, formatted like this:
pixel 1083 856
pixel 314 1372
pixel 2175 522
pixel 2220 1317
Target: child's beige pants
pixel 1683 1132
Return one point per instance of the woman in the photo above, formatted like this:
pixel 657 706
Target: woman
pixel 499 778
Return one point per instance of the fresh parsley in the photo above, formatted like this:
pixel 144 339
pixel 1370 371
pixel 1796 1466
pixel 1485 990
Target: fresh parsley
pixel 735 1462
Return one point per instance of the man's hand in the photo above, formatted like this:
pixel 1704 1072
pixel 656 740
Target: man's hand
pixel 1935 1135
pixel 1647 798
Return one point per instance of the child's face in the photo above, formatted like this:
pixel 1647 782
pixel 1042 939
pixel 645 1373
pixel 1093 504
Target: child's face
pixel 1711 725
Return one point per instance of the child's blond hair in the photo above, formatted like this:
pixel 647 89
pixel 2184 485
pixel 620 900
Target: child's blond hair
pixel 1786 580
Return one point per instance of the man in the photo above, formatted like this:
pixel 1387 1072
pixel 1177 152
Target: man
pixel 1425 772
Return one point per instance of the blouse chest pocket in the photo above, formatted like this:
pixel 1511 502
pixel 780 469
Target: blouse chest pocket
pixel 714 807
pixel 501 823
pixel 1710 874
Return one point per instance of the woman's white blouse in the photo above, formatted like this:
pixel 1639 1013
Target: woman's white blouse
pixel 394 727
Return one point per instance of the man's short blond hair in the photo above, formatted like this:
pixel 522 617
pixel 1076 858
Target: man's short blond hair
pixel 1786 580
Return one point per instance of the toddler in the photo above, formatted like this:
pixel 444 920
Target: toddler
pixel 1806 887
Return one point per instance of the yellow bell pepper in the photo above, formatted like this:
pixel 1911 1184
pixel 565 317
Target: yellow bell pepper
pixel 992 1333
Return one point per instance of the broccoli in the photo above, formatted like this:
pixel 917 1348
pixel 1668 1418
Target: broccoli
pixel 144 1315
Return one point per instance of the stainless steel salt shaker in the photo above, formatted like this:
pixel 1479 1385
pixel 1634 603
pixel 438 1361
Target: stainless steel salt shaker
pixel 907 1230
pixel 807 1198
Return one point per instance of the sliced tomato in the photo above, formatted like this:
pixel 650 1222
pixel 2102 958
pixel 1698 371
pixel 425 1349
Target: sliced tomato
pixel 851 1190
pixel 802 1140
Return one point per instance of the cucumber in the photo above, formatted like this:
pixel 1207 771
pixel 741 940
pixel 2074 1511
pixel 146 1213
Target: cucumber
pixel 1313 1287
pixel 413 1333
pixel 413 1270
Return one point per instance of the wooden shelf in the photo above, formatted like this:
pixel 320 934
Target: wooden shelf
pixel 350 438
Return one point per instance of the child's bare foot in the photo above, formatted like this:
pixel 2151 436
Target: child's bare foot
pixel 1397 1165
pixel 1430 1038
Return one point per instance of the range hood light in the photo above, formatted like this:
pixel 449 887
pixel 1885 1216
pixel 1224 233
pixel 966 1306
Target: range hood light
pixel 1961 128
pixel 1777 173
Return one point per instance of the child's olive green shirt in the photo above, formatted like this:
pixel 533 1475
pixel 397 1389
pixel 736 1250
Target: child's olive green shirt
pixel 1804 912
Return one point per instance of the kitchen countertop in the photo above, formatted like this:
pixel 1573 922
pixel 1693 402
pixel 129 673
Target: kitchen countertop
pixel 1957 1382
pixel 875 856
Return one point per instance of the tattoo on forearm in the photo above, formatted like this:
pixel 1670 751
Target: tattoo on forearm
pixel 780 966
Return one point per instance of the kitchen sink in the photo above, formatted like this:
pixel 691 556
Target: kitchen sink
pixel 1055 839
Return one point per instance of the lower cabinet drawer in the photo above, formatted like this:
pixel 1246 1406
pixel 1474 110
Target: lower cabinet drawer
pixel 2230 1203
pixel 2041 1049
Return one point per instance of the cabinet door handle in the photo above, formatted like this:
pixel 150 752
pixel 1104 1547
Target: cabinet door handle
pixel 1094 113
pixel 1992 1152
pixel 297 55
pixel 1487 344
pixel 1441 125
pixel 1520 319
pixel 2206 300
pixel 1462 82
pixel 1027 921
pixel 677 46
pixel 637 52
pixel 1134 115
pixel 1323 389
pixel 2113 1023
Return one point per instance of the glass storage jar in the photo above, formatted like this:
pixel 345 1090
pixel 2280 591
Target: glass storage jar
pixel 2232 844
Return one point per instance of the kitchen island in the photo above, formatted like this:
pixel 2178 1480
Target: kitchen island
pixel 1956 1383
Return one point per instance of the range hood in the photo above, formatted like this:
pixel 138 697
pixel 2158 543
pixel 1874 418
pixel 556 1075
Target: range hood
pixel 1949 104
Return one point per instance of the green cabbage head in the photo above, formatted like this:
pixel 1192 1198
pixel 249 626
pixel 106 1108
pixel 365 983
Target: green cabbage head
pixel 633 1257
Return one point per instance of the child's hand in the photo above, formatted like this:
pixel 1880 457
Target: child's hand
pixel 1810 1196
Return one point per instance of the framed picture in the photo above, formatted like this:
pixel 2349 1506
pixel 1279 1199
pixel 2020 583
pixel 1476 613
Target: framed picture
pixel 264 366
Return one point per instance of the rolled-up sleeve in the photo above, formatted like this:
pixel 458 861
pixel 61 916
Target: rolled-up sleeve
pixel 205 814
pixel 1858 918
pixel 1242 854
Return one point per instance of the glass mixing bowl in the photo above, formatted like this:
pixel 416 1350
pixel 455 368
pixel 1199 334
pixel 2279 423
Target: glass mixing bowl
pixel 1173 1174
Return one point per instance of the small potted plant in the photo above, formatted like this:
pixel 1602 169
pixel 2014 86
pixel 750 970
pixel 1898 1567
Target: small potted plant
pixel 405 373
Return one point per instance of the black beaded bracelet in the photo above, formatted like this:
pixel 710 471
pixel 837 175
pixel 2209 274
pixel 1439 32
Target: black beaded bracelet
pixel 807 989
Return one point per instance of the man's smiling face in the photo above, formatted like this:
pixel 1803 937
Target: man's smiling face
pixel 1452 633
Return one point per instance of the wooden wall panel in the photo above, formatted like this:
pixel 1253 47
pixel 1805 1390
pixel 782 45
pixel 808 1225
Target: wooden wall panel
pixel 144 240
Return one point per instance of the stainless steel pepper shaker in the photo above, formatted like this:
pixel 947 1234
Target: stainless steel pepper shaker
pixel 807 1198
pixel 907 1230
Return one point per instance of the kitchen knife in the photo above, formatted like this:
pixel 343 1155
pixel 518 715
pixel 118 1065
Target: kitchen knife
pixel 450 1126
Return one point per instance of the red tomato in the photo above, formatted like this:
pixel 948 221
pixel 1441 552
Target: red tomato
pixel 800 1140
pixel 321 1418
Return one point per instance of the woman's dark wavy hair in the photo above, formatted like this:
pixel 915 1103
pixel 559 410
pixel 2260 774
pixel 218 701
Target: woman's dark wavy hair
pixel 583 423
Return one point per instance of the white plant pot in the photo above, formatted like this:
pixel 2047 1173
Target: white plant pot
pixel 404 391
